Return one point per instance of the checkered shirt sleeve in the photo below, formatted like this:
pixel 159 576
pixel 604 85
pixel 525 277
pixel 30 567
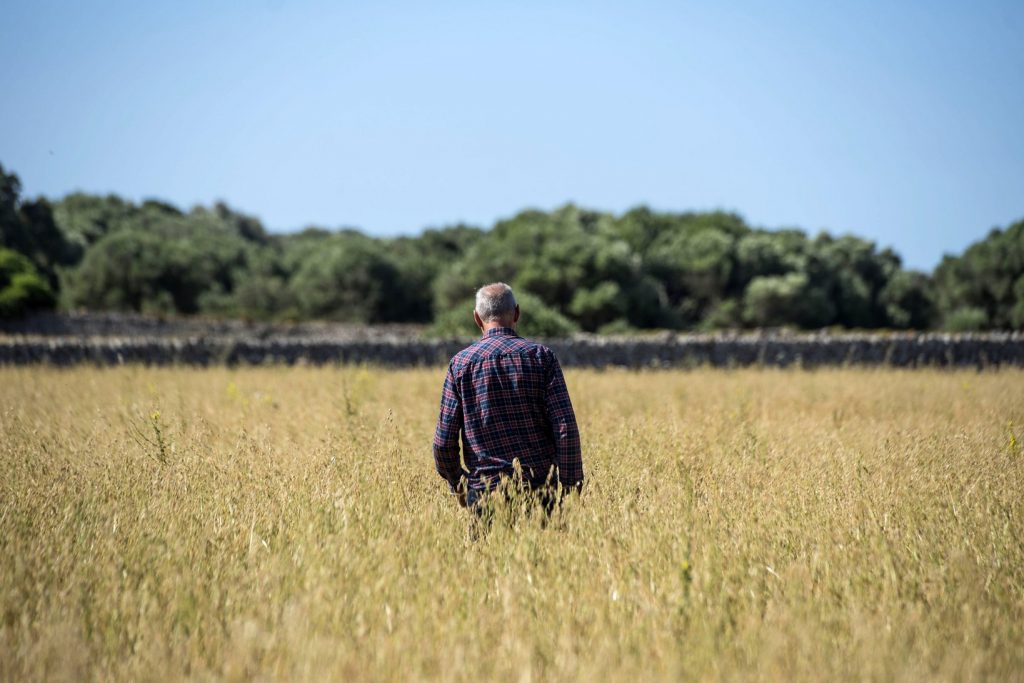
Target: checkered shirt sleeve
pixel 446 437
pixel 568 457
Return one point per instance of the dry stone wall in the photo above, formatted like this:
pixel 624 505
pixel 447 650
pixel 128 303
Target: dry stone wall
pixel 662 351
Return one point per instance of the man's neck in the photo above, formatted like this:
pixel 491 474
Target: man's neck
pixel 496 324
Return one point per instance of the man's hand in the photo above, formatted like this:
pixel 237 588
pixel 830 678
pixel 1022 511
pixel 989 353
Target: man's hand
pixel 459 492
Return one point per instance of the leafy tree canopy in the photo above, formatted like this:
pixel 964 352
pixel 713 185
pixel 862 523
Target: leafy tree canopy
pixel 573 269
pixel 22 288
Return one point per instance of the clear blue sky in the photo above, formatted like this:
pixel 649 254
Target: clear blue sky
pixel 899 121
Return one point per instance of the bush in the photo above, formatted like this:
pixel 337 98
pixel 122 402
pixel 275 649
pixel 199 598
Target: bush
pixel 726 314
pixel 349 279
pixel 617 327
pixel 967 319
pixel 22 288
pixel 789 299
pixel 599 306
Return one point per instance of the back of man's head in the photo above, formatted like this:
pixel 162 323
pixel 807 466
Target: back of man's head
pixel 496 303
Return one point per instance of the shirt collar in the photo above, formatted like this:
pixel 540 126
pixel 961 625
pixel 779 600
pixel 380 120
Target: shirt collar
pixel 500 332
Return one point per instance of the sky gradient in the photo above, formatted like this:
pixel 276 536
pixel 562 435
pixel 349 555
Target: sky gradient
pixel 900 122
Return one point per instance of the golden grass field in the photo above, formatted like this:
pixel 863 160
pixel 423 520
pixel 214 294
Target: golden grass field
pixel 287 524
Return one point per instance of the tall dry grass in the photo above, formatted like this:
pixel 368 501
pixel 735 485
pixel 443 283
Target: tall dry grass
pixel 286 524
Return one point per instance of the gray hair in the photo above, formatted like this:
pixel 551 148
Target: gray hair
pixel 495 302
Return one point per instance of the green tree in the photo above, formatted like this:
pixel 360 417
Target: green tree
pixel 984 278
pixel 22 289
pixel 421 259
pixel 908 301
pixel 777 300
pixel 571 259
pixel 28 227
pixel 852 273
pixel 85 219
pixel 176 264
pixel 586 269
pixel 349 278
pixel 761 253
pixel 695 267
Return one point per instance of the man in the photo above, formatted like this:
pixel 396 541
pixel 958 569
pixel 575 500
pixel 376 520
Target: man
pixel 508 398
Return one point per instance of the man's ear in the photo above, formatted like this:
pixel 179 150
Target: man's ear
pixel 477 320
pixel 515 316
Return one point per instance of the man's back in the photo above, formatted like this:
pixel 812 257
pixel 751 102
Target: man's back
pixel 508 397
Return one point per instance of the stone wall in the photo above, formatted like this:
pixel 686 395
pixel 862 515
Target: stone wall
pixel 660 351
pixel 133 325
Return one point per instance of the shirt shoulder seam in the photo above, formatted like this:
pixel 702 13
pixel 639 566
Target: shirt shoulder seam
pixel 476 358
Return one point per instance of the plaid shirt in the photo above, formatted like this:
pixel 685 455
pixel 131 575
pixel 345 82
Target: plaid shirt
pixel 508 398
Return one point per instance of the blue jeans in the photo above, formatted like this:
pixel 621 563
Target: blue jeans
pixel 482 502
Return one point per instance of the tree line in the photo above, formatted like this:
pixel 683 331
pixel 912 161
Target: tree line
pixel 573 270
